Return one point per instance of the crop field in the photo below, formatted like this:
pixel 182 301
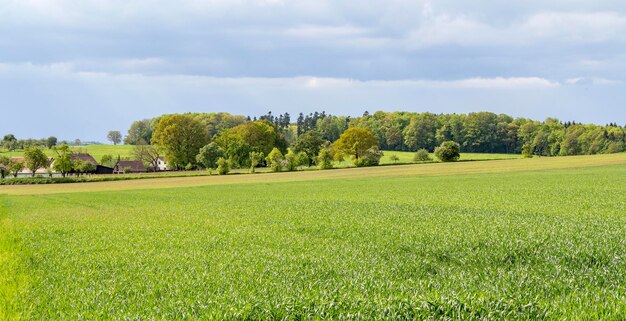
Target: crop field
pixel 521 239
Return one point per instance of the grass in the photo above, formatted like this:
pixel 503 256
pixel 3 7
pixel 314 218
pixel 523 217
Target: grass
pixel 97 151
pixel 407 157
pixel 526 239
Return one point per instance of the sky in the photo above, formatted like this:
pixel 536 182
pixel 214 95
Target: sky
pixel 79 68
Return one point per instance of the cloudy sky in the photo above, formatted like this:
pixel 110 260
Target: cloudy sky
pixel 78 68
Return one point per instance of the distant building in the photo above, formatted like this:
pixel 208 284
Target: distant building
pixel 128 166
pixel 103 170
pixel 27 172
pixel 85 157
pixel 161 164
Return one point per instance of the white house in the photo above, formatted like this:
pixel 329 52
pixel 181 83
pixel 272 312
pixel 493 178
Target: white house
pixel 161 164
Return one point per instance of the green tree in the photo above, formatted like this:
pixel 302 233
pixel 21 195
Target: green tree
pixel 481 132
pixel 34 159
pixel 83 167
pixel 448 151
pixel 255 159
pixel 324 159
pixel 15 167
pixel 309 143
pixel 63 162
pixel 275 160
pixel 180 137
pixel 303 159
pixel 139 131
pixel 209 154
pixel 256 136
pixel 354 142
pixel 108 160
pixel 223 166
pixel 114 136
pixel 10 142
pixel 421 131
pixel 371 157
pixel 51 142
pixel 394 158
pixel 4 163
pixel 291 161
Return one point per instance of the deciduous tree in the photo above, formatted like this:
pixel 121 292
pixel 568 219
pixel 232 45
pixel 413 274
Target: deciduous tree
pixel 448 151
pixel 180 137
pixel 63 162
pixel 354 142
pixel 34 159
pixel 114 136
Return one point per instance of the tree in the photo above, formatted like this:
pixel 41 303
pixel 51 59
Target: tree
pixel 275 160
pixel 63 162
pixel 255 159
pixel 448 151
pixel 181 137
pixel 324 159
pixel 257 136
pixel 371 157
pixel 139 131
pixel 114 136
pixel 51 142
pixel 10 142
pixel 108 160
pixel 303 159
pixel 34 159
pixel 4 163
pixel 147 154
pixel 291 160
pixel 209 155
pixel 83 167
pixel 394 158
pixel 223 166
pixel 355 142
pixel 421 156
pixel 309 143
pixel 421 131
pixel 15 167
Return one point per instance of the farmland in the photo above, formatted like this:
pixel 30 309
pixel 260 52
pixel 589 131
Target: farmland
pixel 526 239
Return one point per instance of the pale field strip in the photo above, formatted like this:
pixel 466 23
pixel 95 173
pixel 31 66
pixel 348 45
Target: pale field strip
pixel 432 169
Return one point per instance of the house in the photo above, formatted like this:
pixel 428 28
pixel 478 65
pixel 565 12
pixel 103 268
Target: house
pixel 85 157
pixel 161 164
pixel 128 166
pixel 27 172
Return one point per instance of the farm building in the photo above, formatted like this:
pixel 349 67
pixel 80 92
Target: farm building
pixel 161 164
pixel 27 172
pixel 85 157
pixel 128 166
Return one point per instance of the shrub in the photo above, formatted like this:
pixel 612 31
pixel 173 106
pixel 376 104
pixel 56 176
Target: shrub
pixel 394 158
pixel 223 166
pixel 448 151
pixel 291 161
pixel 324 159
pixel 422 156
pixel 275 160
pixel 371 157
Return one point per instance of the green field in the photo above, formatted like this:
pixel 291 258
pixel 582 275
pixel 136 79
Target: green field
pixel 97 151
pixel 524 239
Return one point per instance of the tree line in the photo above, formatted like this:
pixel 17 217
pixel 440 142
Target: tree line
pixel 194 140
